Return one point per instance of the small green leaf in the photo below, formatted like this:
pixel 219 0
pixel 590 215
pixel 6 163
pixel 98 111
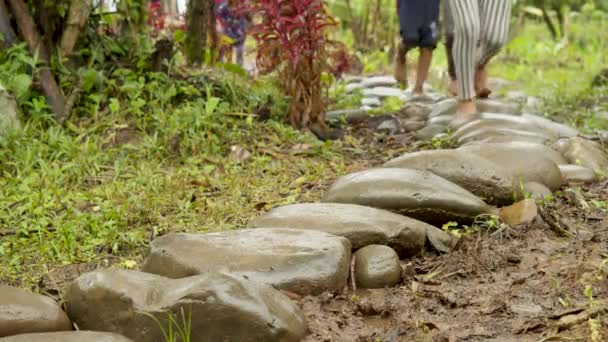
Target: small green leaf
pixel 20 85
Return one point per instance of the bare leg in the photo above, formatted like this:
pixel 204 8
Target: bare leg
pixel 481 82
pixel 401 64
pixel 424 63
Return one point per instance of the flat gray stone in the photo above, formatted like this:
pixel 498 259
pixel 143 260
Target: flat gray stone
pixel 430 131
pixel 536 191
pixel 363 226
pixel 220 306
pixel 443 120
pixel 348 115
pixel 527 163
pixel 413 125
pixel 379 81
pixel 299 261
pixel 493 121
pixel 577 174
pixel 418 111
pixel 371 102
pixel 498 135
pixel 418 194
pixel 557 129
pixel 68 336
pixel 377 266
pixel 23 312
pixel 351 87
pixel 445 107
pixel 497 106
pixel 524 148
pixel 383 92
pixel 481 177
pixel 586 153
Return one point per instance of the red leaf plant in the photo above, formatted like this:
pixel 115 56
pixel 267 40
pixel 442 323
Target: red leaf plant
pixel 292 39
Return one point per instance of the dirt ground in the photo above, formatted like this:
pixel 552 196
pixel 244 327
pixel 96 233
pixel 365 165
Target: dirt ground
pixel 524 283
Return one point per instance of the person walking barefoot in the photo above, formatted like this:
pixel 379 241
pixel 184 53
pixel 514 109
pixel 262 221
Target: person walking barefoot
pixel 483 22
pixel 418 24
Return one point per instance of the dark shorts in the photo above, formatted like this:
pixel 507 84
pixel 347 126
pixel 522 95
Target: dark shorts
pixel 419 22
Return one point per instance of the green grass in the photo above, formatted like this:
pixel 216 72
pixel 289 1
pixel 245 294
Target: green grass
pixel 146 154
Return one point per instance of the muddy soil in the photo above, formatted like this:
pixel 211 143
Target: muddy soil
pixel 524 283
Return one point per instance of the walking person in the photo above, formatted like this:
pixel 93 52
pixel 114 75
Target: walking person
pixel 234 26
pixel 418 25
pixel 481 30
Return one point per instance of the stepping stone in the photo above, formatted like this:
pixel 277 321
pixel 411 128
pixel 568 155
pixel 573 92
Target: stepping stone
pixel 383 92
pixel 419 111
pixel 348 79
pixel 413 125
pixel 524 148
pixel 430 131
pixel 23 312
pixel 348 115
pixel 68 336
pixel 418 194
pixel 481 177
pixel 577 174
pixel 583 152
pixel 351 87
pixel 300 261
pixel 376 267
pixel 441 120
pixel 557 129
pixel 492 121
pixel 536 191
pixel 371 102
pixel 220 306
pixel 497 135
pixel 379 81
pixel 445 107
pixel 517 96
pixel 496 106
pixel 363 226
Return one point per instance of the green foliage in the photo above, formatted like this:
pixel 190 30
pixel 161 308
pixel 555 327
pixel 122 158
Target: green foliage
pixel 178 329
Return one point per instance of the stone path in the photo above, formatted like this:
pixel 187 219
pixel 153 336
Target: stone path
pixel 237 285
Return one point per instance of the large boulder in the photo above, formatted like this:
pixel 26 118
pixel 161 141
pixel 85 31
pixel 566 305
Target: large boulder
pixel 491 121
pixel 8 111
pixel 523 148
pixel 377 266
pixel 499 135
pixel 557 129
pixel 219 307
pixel 363 226
pixel 415 193
pixel 481 177
pixel 69 336
pixel 24 312
pixel 577 174
pixel 300 261
pixel 525 164
pixel 586 153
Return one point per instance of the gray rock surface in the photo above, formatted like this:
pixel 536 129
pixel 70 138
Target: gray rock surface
pixel 299 261
pixel 363 226
pixel 377 266
pixel 8 111
pixel 528 166
pixel 378 81
pixel 23 312
pixel 371 102
pixel 496 106
pixel 491 121
pixel 419 111
pixel 430 131
pixel 536 191
pixel 68 336
pixel 383 92
pixel 586 153
pixel 523 148
pixel 445 107
pixel 412 125
pixel 474 173
pixel 220 306
pixel 577 174
pixel 441 120
pixel 557 129
pixel 414 193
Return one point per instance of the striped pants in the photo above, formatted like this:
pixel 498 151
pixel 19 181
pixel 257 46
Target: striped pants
pixel 483 22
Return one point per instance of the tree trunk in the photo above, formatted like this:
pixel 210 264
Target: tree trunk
pixel 548 20
pixel 198 28
pixel 5 27
pixel 26 25
pixel 77 18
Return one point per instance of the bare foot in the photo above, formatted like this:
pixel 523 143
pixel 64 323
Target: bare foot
pixel 418 90
pixel 453 88
pixel 465 113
